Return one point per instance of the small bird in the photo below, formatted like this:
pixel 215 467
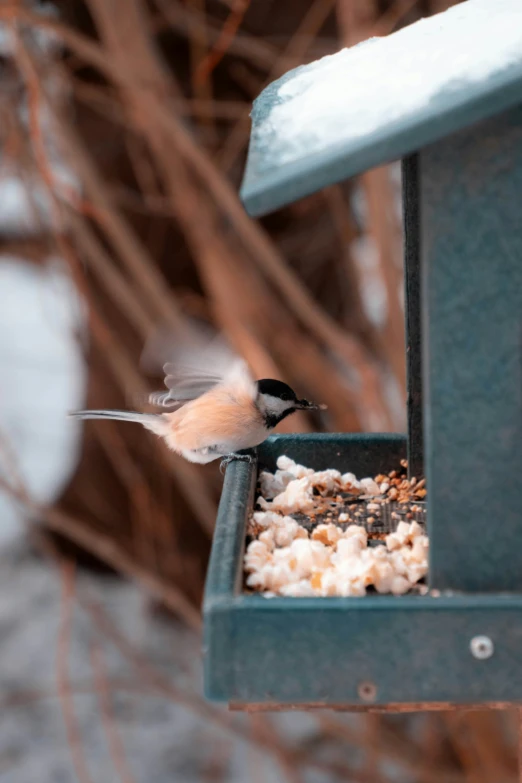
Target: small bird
pixel 220 409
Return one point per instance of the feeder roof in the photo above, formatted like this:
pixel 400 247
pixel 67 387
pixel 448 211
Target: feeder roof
pixel 381 100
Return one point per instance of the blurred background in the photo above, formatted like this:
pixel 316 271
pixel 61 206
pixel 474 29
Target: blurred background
pixel 124 129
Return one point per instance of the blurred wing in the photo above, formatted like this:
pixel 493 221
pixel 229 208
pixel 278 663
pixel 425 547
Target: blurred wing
pixel 197 368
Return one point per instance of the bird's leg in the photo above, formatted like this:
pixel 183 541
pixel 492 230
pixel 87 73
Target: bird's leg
pixel 235 457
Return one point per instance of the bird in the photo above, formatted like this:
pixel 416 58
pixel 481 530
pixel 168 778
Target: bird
pixel 219 409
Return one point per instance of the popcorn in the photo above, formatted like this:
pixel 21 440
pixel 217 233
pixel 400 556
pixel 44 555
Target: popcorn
pixel 349 483
pixel 400 585
pixel 301 589
pixel 267 537
pixel 333 561
pixel 405 533
pixel 288 465
pixel 297 497
pixel 326 481
pixel 328 534
pixel 370 487
pixel 309 554
pixel 273 576
pixel 265 518
pixel 383 576
pixel 287 531
pixel 356 531
pixel 348 547
pixel 273 484
pixel 352 587
pixel 257 556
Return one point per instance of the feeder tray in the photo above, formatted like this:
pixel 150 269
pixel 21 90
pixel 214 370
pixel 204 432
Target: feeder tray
pixel 462 178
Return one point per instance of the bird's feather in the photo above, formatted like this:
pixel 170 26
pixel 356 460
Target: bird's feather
pixel 152 421
pixel 198 365
pixel 228 413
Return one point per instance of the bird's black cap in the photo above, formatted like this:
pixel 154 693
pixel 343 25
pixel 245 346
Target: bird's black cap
pixel 276 389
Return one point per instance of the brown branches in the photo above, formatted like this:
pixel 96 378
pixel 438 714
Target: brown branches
pixel 227 35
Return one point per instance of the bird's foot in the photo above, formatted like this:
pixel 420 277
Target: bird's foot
pixel 235 458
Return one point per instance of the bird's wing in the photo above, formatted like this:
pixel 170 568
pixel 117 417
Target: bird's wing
pixel 198 365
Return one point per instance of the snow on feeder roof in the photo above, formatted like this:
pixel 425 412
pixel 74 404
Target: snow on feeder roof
pixel 381 100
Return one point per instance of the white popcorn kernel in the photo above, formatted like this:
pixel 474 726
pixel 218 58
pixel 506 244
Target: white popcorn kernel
pixel 288 465
pixel 400 585
pixel 350 587
pixel 307 555
pixel 267 538
pixel 343 517
pixel 415 530
pixel 399 537
pixel 384 487
pixel 328 582
pixel 404 534
pixel 256 580
pixel 350 483
pixel 393 542
pixel 326 481
pixel 370 487
pixel 383 575
pixel 356 531
pixel 285 533
pixel 399 564
pixel 273 576
pixel 328 534
pixel 407 567
pixel 297 497
pixel 301 589
pixel 348 547
pixel 373 507
pixel 282 555
pixel 272 485
pixel 321 554
pixel 256 556
pixel 420 549
pixel 417 571
pixel 265 518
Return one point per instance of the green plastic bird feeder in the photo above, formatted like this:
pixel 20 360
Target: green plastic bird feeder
pixel 445 96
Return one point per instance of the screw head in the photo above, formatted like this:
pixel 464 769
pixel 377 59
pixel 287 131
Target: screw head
pixel 367 691
pixel 481 647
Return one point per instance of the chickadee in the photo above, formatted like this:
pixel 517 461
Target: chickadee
pixel 218 412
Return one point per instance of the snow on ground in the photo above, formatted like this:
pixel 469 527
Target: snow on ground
pixel 163 742
pixel 42 377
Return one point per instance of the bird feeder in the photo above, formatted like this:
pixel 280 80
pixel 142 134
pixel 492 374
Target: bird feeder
pixel 445 96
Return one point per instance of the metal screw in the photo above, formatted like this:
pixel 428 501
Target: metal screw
pixel 481 647
pixel 367 691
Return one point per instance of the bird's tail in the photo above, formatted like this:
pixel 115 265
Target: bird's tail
pixel 152 421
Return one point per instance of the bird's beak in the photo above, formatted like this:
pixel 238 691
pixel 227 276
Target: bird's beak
pixel 305 405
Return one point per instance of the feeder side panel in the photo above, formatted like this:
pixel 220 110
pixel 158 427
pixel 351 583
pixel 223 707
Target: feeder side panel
pixel 410 649
pixel 224 577
pixel 411 208
pixel 471 188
